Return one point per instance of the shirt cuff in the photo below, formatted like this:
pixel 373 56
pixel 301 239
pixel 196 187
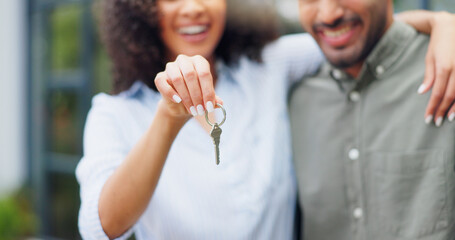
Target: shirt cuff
pixel 89 219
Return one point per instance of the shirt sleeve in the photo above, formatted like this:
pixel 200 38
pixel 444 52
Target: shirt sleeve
pixel 298 53
pixel 104 151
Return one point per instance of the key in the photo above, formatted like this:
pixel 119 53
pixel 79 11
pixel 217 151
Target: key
pixel 216 133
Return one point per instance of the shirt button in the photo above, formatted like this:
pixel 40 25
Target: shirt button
pixel 354 154
pixel 354 96
pixel 358 213
pixel 380 69
pixel 337 74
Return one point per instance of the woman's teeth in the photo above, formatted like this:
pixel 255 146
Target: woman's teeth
pixel 337 33
pixel 191 30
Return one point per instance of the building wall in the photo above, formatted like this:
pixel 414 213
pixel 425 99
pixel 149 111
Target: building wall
pixel 12 95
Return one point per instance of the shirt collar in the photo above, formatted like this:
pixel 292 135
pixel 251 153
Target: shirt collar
pixel 226 72
pixel 386 52
pixel 135 90
pixel 390 48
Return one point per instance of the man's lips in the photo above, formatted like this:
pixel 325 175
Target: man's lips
pixel 339 36
pixel 336 33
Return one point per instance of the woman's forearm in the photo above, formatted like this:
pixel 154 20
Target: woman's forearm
pixel 128 191
pixel 422 20
pixel 419 19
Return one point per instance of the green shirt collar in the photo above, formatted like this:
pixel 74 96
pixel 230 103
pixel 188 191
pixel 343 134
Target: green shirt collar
pixel 386 52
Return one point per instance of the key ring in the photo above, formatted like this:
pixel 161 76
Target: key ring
pixel 224 116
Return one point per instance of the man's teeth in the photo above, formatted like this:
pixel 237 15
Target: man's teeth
pixel 193 29
pixel 337 33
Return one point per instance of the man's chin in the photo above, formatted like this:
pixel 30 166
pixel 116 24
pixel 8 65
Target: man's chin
pixel 344 58
pixel 341 63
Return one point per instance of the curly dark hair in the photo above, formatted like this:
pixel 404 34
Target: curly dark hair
pixel 130 32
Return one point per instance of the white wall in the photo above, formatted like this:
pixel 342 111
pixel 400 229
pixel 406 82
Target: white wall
pixel 12 95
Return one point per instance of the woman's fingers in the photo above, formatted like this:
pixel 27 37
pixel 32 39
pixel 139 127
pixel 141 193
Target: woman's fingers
pixel 437 94
pixel 204 74
pixel 218 100
pixel 161 83
pixel 192 82
pixel 441 66
pixel 429 73
pixel 176 80
pixel 447 101
pixel 451 114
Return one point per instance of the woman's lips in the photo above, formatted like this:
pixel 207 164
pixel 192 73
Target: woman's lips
pixel 194 33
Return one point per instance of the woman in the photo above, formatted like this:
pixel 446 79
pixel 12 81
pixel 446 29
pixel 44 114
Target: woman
pixel 149 166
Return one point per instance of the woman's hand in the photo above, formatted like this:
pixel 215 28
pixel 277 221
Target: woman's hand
pixel 440 61
pixel 440 69
pixel 187 87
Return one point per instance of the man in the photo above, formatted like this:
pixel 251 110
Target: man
pixel 368 167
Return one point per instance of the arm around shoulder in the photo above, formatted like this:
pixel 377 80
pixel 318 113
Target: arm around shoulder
pixel 298 53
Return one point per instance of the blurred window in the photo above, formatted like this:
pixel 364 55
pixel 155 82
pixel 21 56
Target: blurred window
pixel 66 64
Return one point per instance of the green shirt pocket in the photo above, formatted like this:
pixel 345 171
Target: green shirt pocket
pixel 410 193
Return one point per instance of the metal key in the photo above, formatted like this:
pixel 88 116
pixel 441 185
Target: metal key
pixel 216 133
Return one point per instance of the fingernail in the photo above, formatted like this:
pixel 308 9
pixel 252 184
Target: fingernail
pixel 428 119
pixel 421 89
pixel 200 109
pixel 209 106
pixel 452 117
pixel 439 122
pixel 193 111
pixel 176 98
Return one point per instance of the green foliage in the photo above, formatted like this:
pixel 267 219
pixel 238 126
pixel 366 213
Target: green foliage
pixel 66 44
pixel 103 74
pixel 16 217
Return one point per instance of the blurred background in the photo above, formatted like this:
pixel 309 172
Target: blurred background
pixel 51 64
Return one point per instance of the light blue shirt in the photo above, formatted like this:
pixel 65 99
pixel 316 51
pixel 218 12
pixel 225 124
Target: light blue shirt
pixel 250 195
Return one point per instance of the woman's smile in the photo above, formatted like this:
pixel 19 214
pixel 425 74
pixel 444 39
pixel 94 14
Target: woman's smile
pixel 192 27
pixel 194 33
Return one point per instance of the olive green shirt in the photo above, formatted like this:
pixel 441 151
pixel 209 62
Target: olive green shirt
pixel 368 166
